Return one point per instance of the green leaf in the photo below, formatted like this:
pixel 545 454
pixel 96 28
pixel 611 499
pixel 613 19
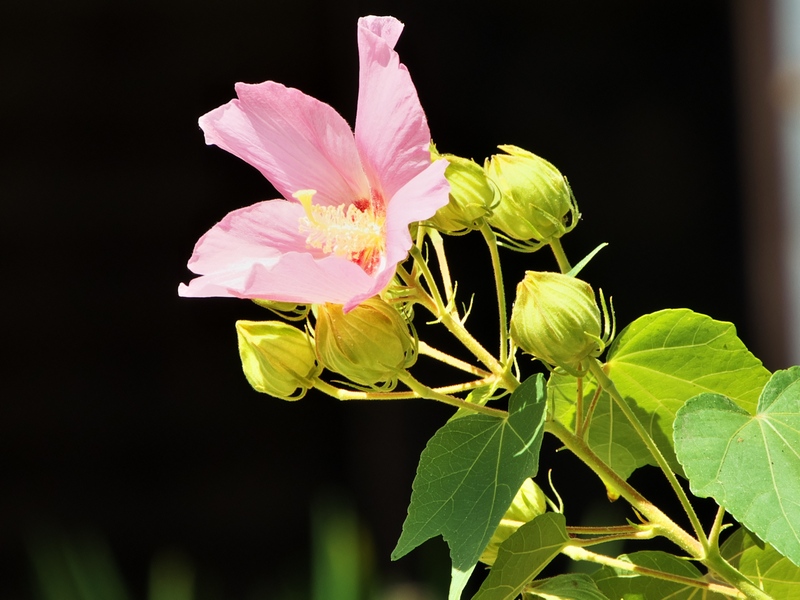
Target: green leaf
pixel 523 555
pixel 762 564
pixel 661 360
pixel 576 586
pixel 469 473
pixel 626 585
pixel 609 433
pixel 749 464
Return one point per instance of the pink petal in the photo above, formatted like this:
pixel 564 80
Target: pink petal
pixel 258 252
pixel 418 200
pixel 391 130
pixel 260 232
pixel 296 141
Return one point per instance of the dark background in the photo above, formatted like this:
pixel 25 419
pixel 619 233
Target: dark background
pixel 124 410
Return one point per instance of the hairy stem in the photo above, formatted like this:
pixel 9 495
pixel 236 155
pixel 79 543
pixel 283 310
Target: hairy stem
pixel 427 350
pixel 342 394
pixel 724 570
pixel 605 382
pixel 491 242
pixel 578 553
pixel 441 257
pixel 716 529
pixel 589 412
pixel 445 315
pixel 426 392
pixel 650 511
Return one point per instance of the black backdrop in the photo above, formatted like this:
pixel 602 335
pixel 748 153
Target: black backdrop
pixel 124 410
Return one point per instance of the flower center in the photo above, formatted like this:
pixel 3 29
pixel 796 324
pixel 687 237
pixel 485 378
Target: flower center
pixel 355 232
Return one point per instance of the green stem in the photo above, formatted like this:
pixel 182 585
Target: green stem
pixel 650 511
pixel 578 553
pixel 453 324
pixel 491 241
pixel 561 257
pixel 427 350
pixel 456 327
pixel 426 392
pixel 579 422
pixel 590 412
pixel 604 530
pixel 605 382
pixel 724 570
pixel 341 394
pixel 421 264
pixel 441 257
pixel 645 534
pixel 716 529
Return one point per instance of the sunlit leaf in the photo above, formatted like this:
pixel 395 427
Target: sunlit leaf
pixel 523 555
pixel 762 564
pixel 749 464
pixel 469 473
pixel 661 360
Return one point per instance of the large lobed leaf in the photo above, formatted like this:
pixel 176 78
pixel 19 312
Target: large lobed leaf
pixel 469 473
pixel 663 359
pixel 657 363
pixel 750 464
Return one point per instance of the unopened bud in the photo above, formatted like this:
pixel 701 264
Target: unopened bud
pixel 368 345
pixel 528 504
pixel 535 197
pixel 277 359
pixel 556 318
pixel 472 195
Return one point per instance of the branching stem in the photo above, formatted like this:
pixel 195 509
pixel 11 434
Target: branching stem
pixel 578 553
pixel 605 382
pixel 650 511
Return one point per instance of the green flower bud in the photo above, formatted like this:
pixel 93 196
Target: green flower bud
pixel 277 359
pixel 370 344
pixel 556 318
pixel 472 195
pixel 528 504
pixel 535 197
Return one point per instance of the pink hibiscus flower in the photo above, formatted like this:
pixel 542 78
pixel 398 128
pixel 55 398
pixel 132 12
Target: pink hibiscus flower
pixel 341 227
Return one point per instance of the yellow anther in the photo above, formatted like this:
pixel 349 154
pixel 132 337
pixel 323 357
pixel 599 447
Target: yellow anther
pixel 305 198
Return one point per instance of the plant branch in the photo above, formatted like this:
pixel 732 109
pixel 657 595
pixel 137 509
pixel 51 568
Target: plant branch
pixel 605 382
pixel 441 257
pixel 561 257
pixel 425 392
pixel 491 242
pixel 427 350
pixel 613 481
pixel 589 412
pixel 344 394
pixel 578 553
